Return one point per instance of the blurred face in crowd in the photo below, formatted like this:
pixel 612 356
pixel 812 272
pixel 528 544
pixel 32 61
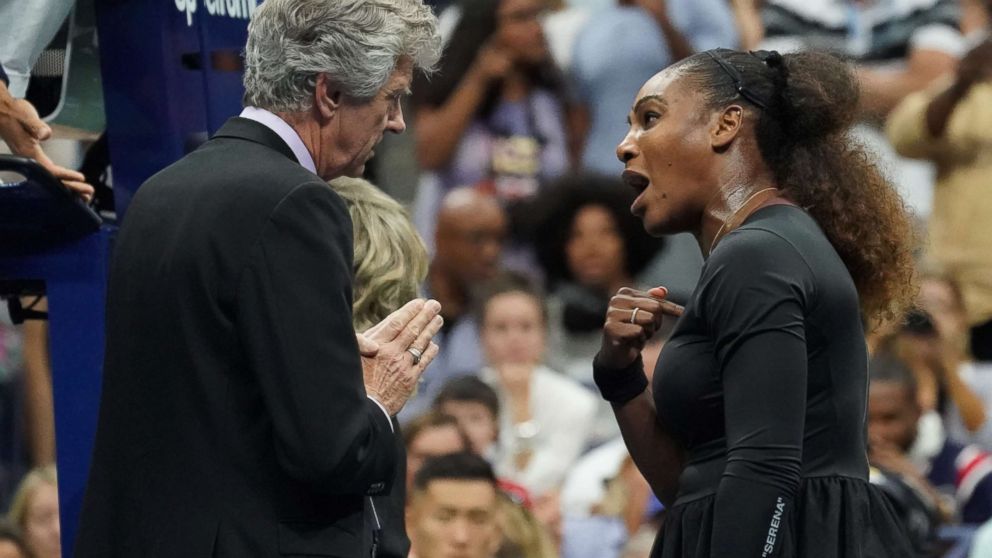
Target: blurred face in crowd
pixel 357 127
pixel 470 234
pixel 476 420
pixel 513 330
pixel 893 413
pixel 454 519
pixel 667 154
pixel 519 31
pixel 433 441
pixel 595 248
pixel 41 523
pixel 939 299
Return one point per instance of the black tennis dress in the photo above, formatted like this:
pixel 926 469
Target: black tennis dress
pixel 764 382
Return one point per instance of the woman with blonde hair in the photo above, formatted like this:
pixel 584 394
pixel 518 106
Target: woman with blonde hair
pixel 35 511
pixel 390 257
pixel 390 263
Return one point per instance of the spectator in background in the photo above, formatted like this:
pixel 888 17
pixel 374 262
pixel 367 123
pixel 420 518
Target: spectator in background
pixel 546 418
pixel 390 262
pixel 11 543
pixel 958 477
pixel 475 405
pixel 605 498
pixel 431 435
pixel 454 509
pixel 937 369
pixel 618 50
pixel 524 536
pixel 967 421
pixel 624 45
pixel 35 510
pixel 951 125
pixel 747 14
pixel 494 117
pixel 469 239
pixel 899 47
pixel 390 257
pixel 589 245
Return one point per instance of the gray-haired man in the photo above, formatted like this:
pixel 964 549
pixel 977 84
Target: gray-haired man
pixel 240 417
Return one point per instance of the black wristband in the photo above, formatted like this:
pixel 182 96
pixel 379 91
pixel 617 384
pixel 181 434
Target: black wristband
pixel 620 386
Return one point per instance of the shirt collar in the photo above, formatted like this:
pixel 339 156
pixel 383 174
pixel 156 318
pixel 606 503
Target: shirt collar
pixel 284 131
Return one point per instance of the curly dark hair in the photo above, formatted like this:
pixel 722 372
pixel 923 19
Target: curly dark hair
pixel 811 101
pixel 555 208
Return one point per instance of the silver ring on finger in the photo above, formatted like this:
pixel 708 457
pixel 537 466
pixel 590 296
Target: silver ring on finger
pixel 633 315
pixel 416 355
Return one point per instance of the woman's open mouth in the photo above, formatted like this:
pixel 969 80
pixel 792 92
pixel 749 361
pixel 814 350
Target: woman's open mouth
pixel 635 180
pixel 639 183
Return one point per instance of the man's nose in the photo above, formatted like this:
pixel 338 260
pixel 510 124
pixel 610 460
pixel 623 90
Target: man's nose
pixel 396 123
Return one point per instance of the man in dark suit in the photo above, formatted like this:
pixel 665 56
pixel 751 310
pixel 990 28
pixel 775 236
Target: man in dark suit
pixel 241 415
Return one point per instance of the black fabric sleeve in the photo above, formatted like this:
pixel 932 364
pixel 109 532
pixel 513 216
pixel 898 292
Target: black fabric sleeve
pixel 3 76
pixel 756 289
pixel 294 317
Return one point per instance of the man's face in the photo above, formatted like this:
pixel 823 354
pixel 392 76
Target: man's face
pixel 470 245
pixel 432 442
pixel 358 127
pixel 892 414
pixel 476 420
pixel 454 519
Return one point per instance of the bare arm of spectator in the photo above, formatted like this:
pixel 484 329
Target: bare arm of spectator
pixel 749 24
pixel 975 67
pixel 678 45
pixel 882 90
pixel 439 129
pixel 39 409
pixel 946 120
pixel 23 131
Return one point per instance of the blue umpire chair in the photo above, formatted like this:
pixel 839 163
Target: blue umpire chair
pixel 171 75
pixel 53 245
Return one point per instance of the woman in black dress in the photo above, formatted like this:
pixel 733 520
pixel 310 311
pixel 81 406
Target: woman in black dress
pixel 753 433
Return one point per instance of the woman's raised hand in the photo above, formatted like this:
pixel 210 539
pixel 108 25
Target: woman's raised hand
pixel 632 318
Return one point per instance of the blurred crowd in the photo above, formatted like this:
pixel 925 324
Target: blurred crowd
pixel 527 232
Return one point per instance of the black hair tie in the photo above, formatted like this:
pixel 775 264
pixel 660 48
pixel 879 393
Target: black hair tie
pixel 775 61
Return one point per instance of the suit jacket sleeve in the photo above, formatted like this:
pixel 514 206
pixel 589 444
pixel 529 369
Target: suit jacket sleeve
pixel 294 318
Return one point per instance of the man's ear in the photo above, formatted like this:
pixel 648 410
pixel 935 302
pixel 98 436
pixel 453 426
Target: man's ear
pixel 327 97
pixel 727 126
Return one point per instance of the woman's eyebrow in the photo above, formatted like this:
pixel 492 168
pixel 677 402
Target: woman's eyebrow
pixel 648 98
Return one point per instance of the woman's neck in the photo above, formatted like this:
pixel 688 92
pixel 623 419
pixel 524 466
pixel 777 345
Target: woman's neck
pixel 741 188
